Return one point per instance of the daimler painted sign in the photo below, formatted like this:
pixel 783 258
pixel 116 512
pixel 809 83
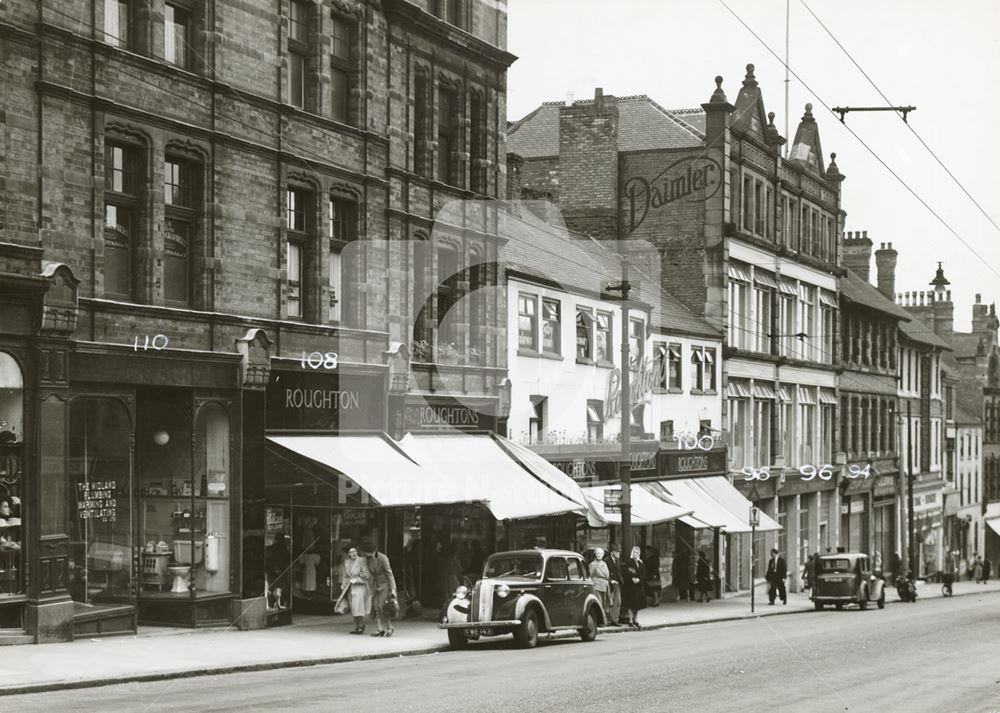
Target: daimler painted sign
pixel 689 178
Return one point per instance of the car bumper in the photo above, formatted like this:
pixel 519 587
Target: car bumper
pixel 834 600
pixel 480 624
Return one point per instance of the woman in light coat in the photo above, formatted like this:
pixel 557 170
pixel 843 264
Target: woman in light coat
pixel 602 579
pixel 356 576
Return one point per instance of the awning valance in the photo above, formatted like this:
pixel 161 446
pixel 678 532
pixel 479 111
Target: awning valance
pixel 482 466
pixel 544 471
pixel 715 502
pixel 374 466
pixel 647 509
pixel 994 524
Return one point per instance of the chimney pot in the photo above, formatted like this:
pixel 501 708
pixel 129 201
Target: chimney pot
pixel 890 246
pixel 864 234
pixel 949 295
pixel 979 298
pixel 598 94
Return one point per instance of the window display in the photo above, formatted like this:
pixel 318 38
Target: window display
pixel 11 476
pixel 100 569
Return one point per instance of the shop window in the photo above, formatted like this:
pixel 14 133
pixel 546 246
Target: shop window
pixel 584 334
pixel 123 170
pixel 551 325
pixel 602 335
pixel 176 35
pixel 100 523
pixel 343 257
pixel 595 421
pixel 342 70
pixel 117 20
pixel 11 477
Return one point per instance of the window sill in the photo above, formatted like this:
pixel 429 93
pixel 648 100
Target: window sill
pixel 587 362
pixel 528 353
pixel 551 355
pixel 606 365
pixel 697 392
pixel 709 392
pixel 675 390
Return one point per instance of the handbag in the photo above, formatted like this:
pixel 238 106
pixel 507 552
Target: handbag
pixel 341 606
pixel 392 607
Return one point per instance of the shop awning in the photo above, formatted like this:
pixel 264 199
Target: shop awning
pixel 994 524
pixel 716 503
pixel 647 509
pixel 481 466
pixel 544 471
pixel 379 468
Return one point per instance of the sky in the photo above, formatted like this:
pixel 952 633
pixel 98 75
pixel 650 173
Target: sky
pixel 941 57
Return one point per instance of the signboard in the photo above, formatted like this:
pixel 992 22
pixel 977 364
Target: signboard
pixel 690 179
pixel 613 501
pixel 673 464
pixel 449 415
pixel 96 501
pixel 604 467
pixel 332 402
pixel 926 501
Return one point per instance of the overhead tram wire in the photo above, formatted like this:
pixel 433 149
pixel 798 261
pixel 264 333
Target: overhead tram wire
pixel 861 141
pixel 907 124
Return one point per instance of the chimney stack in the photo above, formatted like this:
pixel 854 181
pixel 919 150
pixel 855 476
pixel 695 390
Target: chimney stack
pixel 980 316
pixel 885 264
pixel 514 182
pixel 857 252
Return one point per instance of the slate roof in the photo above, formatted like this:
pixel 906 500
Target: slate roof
pixel 917 331
pixel 854 289
pixel 581 264
pixel 643 125
pixel 964 417
pixel 965 344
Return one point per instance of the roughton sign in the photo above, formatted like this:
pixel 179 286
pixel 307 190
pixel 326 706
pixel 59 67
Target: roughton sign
pixel 697 178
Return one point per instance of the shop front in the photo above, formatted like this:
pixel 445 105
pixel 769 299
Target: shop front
pixel 884 519
pixel 928 524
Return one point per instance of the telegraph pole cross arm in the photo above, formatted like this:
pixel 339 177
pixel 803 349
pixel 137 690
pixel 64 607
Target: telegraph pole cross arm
pixel 904 110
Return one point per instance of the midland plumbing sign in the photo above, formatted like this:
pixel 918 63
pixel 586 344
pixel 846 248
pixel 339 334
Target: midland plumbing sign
pixel 688 179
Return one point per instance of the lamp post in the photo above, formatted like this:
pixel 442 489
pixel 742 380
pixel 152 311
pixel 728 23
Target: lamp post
pixel 625 467
pixel 754 522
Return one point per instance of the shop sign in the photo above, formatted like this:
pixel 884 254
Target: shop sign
pixel 640 386
pixel 612 501
pixel 446 417
pixel 274 520
pixel 673 464
pixel 96 501
pixel 643 460
pixel 926 501
pixel 334 402
pixel 689 178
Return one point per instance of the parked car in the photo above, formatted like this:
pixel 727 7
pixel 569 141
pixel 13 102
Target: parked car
pixel 525 593
pixel 846 578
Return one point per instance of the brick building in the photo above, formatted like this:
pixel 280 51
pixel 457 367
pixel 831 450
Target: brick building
pixel 219 218
pixel 748 241
pixel 976 362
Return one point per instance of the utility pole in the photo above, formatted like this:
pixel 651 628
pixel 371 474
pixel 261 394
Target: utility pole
pixel 912 536
pixel 625 466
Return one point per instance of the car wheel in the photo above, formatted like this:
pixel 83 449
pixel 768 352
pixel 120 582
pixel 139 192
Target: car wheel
pixel 818 605
pixel 839 605
pixel 589 630
pixel 881 600
pixel 526 635
pixel 457 639
pixel 863 601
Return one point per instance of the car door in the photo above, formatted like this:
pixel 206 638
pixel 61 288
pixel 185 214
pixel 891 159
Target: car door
pixel 555 589
pixel 577 588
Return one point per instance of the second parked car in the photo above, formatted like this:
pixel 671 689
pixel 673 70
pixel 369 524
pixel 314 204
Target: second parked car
pixel 846 578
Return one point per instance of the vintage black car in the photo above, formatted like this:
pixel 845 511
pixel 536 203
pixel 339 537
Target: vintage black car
pixel 846 578
pixel 524 593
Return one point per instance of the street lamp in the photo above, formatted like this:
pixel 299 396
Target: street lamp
pixel 625 467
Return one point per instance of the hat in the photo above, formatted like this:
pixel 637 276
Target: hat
pixel 774 550
pixel 614 547
pixel 367 546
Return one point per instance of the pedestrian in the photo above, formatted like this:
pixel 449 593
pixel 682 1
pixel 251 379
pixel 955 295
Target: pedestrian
pixel 383 587
pixel 987 570
pixel 878 564
pixel 703 575
pixel 950 569
pixel 356 576
pixel 897 566
pixel 977 570
pixel 633 587
pixel 777 570
pixel 970 564
pixel 449 569
pixel 602 578
pixel 680 574
pixel 615 573
pixel 651 558
pixel 809 573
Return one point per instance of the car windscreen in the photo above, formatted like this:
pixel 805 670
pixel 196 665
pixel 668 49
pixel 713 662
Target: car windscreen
pixel 514 566
pixel 835 565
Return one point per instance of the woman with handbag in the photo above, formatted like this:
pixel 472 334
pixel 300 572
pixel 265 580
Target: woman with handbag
pixel 602 579
pixel 355 578
pixel 383 585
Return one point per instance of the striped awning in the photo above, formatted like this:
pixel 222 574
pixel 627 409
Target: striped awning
pixel 827 396
pixel 763 390
pixel 828 298
pixel 739 272
pixel 765 278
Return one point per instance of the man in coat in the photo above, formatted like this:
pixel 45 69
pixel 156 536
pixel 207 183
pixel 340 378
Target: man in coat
pixel 615 575
pixel 383 587
pixel 681 575
pixel 776 573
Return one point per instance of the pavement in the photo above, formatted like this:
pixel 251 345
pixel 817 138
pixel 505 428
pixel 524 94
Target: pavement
pixel 159 653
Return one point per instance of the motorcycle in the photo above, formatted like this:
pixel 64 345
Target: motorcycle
pixel 906 588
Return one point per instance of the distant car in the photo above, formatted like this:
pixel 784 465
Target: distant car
pixel 524 593
pixel 846 578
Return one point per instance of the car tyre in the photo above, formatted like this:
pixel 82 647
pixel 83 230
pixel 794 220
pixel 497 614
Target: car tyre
pixel 589 630
pixel 881 600
pixel 526 635
pixel 863 600
pixel 457 639
pixel 818 605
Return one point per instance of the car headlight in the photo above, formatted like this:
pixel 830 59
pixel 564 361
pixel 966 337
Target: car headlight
pixel 502 590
